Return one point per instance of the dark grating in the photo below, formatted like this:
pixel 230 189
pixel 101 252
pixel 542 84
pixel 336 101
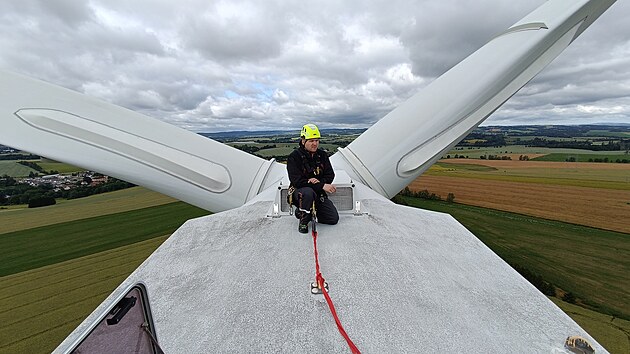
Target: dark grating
pixel 342 199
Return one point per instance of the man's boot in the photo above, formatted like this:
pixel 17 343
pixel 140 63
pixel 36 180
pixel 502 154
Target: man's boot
pixel 304 220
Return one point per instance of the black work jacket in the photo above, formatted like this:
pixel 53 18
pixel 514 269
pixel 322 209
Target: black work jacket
pixel 302 165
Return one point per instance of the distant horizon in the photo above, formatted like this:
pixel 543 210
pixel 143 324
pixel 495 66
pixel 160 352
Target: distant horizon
pixel 208 66
pixel 615 124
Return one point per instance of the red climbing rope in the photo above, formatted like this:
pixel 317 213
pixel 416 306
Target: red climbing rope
pixel 320 282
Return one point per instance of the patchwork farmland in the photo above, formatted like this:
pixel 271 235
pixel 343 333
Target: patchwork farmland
pixel 41 302
pixel 591 194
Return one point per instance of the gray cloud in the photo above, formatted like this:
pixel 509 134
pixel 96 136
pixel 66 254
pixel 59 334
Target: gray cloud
pixel 247 65
pixel 228 31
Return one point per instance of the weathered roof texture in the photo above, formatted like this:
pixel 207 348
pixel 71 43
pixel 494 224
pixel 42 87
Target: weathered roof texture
pixel 402 280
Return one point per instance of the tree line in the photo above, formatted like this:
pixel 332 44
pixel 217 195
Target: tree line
pixel 620 145
pixel 423 194
pixel 252 148
pixel 19 157
pixel 542 285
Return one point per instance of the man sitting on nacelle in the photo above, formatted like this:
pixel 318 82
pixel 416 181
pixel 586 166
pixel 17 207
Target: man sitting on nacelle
pixel 311 176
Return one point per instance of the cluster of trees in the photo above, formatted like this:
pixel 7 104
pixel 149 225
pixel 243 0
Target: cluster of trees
pixel 13 193
pixel 611 145
pixel 598 159
pixel 542 285
pixel 18 157
pixel 278 140
pixel 536 280
pixel 41 201
pixel 495 157
pixel 424 194
pixel 606 159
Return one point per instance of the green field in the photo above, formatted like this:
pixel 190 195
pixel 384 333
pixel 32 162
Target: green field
pixel 42 246
pixel 54 276
pixel 590 263
pixel 60 167
pixel 611 332
pixel 279 150
pixel 14 169
pixel 40 307
pixel 598 133
pixel 74 264
pixel 16 218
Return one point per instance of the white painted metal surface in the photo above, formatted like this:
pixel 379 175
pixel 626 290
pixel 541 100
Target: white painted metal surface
pixel 403 280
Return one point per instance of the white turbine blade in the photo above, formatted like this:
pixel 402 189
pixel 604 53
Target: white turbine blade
pixel 416 134
pixel 67 126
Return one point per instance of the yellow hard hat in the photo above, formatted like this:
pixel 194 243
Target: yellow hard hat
pixel 310 131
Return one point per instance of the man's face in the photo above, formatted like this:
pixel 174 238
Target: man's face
pixel 311 145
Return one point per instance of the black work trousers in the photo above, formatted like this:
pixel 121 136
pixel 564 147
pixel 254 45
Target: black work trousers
pixel 324 208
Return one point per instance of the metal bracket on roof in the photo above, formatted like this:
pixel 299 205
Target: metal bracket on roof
pixel 316 290
pixel 276 211
pixel 357 208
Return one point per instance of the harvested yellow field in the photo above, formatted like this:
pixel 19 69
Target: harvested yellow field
pixel 603 208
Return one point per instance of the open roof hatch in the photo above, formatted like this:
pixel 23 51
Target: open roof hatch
pixel 127 327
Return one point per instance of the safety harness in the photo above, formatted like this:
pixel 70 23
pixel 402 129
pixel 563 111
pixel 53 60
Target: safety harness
pixel 307 166
pixel 307 170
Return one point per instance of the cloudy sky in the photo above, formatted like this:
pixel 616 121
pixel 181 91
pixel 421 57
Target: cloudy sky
pixel 212 66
